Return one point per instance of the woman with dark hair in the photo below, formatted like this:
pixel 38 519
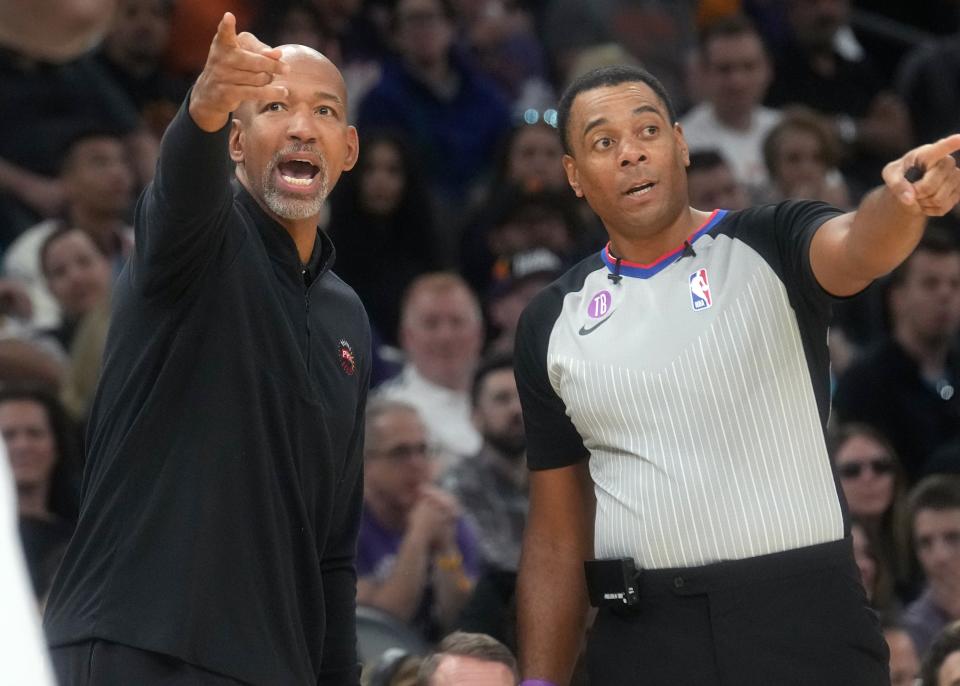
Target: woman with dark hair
pixel 382 225
pixel 41 448
pixel 874 487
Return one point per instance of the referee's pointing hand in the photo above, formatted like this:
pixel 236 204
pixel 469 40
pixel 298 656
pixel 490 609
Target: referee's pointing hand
pixel 239 67
pixel 926 180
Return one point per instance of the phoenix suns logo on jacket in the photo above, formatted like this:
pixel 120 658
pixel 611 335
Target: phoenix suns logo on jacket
pixel 348 362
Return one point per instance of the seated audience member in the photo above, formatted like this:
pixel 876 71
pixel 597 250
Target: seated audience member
pixel 491 486
pixel 78 276
pixel 934 510
pixel 518 220
pixel 941 664
pixel 449 111
pixel 44 107
pixel 27 355
pixel 904 663
pixel 41 451
pixel 874 573
pixel 395 667
pixel 516 281
pixel 416 556
pixel 908 383
pixel 381 223
pixel 464 659
pixel 874 487
pixel 98 182
pixel 441 334
pixel 735 72
pixel 814 69
pixel 132 55
pixel 801 154
pixel 711 183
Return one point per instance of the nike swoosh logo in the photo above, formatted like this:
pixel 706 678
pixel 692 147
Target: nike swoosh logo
pixel 584 330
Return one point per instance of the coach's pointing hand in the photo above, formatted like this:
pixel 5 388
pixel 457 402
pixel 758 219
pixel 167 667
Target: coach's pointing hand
pixel 926 180
pixel 238 68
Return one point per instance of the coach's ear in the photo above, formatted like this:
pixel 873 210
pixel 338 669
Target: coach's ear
pixel 573 176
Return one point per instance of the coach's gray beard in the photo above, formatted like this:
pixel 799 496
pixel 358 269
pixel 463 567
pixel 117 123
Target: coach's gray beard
pixel 288 205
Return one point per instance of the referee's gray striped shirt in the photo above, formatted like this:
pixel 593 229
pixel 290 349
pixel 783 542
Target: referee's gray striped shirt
pixel 698 386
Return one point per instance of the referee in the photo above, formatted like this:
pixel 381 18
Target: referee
pixel 675 389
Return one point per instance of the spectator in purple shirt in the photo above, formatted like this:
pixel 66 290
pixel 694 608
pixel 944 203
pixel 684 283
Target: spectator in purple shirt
pixel 416 557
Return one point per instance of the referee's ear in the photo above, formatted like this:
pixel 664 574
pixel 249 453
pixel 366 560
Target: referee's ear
pixel 573 176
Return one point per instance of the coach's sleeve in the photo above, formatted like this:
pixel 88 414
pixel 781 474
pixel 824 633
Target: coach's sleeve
pixel 552 439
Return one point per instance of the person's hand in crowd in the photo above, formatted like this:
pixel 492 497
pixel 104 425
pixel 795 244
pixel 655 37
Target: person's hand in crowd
pixel 926 180
pixel 434 517
pixel 239 67
pixel 14 300
pixel 42 194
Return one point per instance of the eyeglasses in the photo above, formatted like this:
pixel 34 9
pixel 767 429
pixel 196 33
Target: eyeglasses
pixel 405 452
pixel 852 470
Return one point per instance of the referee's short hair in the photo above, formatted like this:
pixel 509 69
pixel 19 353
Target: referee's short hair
pixel 604 77
pixel 463 644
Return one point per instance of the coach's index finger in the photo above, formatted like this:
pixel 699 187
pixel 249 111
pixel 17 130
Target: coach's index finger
pixel 227 31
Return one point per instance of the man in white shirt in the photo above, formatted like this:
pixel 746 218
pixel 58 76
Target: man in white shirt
pixel 441 333
pixel 736 71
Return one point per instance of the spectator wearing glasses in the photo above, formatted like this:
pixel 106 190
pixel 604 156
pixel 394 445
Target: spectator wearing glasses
pixel 908 383
pixel 873 485
pixel 934 507
pixel 417 559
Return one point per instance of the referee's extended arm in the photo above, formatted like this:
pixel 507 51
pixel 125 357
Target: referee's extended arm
pixel 853 249
pixel 551 589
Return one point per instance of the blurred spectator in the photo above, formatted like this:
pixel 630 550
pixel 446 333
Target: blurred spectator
pixel 41 449
pixel 874 575
pixel 501 35
pixel 450 113
pixel 45 108
pixel 711 183
pixel 491 486
pixel 395 667
pixel 23 650
pixel 812 70
pixel 530 157
pixel 517 280
pixel 929 82
pixel 941 664
pixel 53 30
pixel 132 53
pixel 934 508
pixel 907 384
pixel 441 333
pixel 381 223
pixel 517 220
pixel 735 72
pixel 874 488
pixel 97 181
pixel 466 659
pixel 27 355
pixel 78 275
pixel 416 556
pixel 801 154
pixel 904 663
pixel 657 33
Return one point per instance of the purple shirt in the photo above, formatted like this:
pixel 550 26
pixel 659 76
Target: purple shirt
pixel 377 549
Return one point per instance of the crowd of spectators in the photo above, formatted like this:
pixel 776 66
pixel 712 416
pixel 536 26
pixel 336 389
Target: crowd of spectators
pixel 457 213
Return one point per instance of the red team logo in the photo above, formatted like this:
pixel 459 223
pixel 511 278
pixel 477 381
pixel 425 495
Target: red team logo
pixel 700 290
pixel 348 362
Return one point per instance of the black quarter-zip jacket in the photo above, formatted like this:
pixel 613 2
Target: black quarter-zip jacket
pixel 222 491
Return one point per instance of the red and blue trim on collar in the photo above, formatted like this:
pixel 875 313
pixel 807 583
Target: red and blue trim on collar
pixel 645 271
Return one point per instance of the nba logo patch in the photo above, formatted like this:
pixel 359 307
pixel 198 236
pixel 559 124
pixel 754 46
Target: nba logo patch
pixel 700 290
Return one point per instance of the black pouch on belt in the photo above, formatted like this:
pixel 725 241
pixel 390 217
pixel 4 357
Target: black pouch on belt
pixel 613 583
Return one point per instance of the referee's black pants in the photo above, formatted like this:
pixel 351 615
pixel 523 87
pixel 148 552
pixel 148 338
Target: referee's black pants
pixel 794 618
pixel 103 663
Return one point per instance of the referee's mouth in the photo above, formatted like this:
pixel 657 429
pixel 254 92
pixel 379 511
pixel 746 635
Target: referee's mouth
pixel 639 189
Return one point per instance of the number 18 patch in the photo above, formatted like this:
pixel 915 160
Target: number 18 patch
pixel 700 290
